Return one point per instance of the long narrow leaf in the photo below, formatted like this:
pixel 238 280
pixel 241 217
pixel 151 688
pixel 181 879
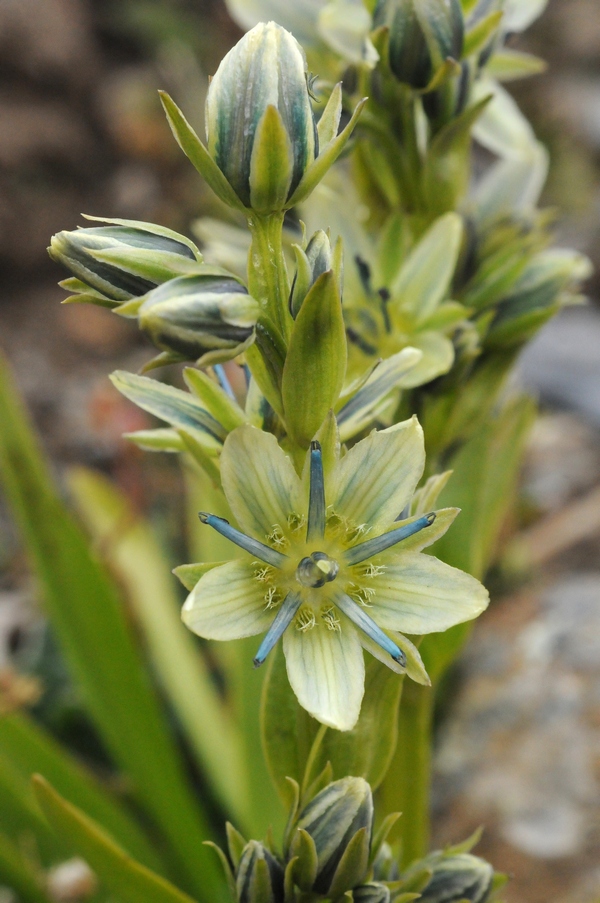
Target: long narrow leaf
pixel 30 749
pixel 18 874
pixel 134 554
pixel 95 638
pixel 122 875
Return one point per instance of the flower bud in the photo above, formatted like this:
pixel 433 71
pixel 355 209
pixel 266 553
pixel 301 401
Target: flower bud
pixel 371 893
pixel 208 317
pixel 312 262
pixel 259 876
pixel 459 877
pixel 339 820
pixel 422 36
pixel 122 260
pixel 260 126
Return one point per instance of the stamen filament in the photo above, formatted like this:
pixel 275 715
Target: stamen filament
pixel 316 500
pixel 256 548
pixel 358 616
pixel 281 622
pixel 378 544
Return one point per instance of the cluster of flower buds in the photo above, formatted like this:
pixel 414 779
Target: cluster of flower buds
pixel 190 311
pixel 329 852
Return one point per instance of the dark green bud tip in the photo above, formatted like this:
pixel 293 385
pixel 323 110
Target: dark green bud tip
pixel 459 877
pixel 339 820
pixel 422 36
pixel 204 317
pixel 123 260
pixel 259 122
pixel 371 893
pixel 259 876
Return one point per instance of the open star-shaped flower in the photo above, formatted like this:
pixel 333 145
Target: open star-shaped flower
pixel 332 568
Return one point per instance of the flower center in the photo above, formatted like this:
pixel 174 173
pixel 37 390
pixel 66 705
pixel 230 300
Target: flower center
pixel 317 570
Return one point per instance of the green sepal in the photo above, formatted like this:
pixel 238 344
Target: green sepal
pixel 448 314
pixel 302 280
pixel 288 880
pixel 166 440
pixel 261 890
pixel 382 835
pixel 303 847
pixel 481 33
pixel 235 841
pixel 164 359
pixel 445 70
pixel 190 574
pixel 90 298
pixel 315 365
pixel 353 865
pixel 507 65
pixel 266 364
pixel 329 122
pixel 447 165
pixel 271 163
pixel 156 266
pixel 315 172
pixel 216 401
pixel 129 309
pixel 467 845
pixel 121 874
pixel 197 153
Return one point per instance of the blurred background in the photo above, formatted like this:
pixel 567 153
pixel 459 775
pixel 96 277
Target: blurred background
pixel 518 741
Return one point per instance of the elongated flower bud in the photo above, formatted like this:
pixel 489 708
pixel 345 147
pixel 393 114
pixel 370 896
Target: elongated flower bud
pixel 259 122
pixel 339 820
pixel 317 258
pixel 206 317
pixel 259 876
pixel 422 36
pixel 459 877
pixel 123 260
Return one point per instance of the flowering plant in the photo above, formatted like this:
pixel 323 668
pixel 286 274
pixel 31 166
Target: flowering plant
pixel 383 300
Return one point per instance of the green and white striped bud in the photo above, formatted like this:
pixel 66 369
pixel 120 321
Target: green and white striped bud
pixel 208 318
pixel 311 262
pixel 423 35
pixel 260 126
pixel 259 876
pixel 339 821
pixel 459 877
pixel 125 259
pixel 371 893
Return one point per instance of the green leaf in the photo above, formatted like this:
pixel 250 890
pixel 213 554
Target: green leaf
pixel 30 749
pixel 216 401
pixel 95 638
pixel 315 365
pixel 178 408
pixel 18 875
pixel 424 279
pixel 123 876
pixel 20 816
pixel 367 749
pixel 288 731
pixel 132 552
pixel 195 151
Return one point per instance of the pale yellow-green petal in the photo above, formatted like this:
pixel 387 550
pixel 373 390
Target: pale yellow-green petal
pixel 227 603
pixel 327 672
pixel 438 357
pixel 414 668
pixel 378 476
pixel 259 480
pixel 419 594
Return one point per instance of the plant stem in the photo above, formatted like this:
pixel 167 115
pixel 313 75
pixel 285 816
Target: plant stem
pixel 406 788
pixel 267 271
